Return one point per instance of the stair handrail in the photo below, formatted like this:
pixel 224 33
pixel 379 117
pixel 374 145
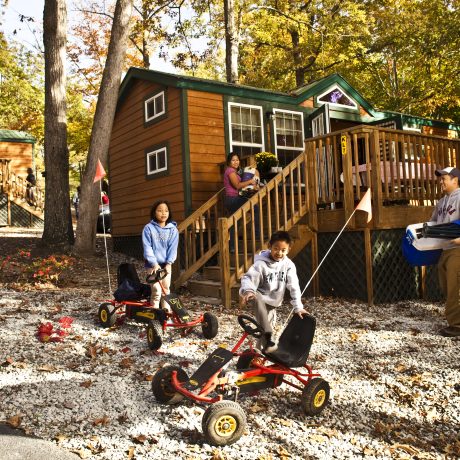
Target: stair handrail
pixel 197 236
pixel 289 208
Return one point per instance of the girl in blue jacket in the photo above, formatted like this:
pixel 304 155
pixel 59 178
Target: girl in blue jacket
pixel 160 239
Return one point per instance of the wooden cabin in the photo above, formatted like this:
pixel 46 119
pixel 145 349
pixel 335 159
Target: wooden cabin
pixel 171 135
pixel 17 146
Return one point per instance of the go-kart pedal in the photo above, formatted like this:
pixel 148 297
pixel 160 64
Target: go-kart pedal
pixel 177 307
pixel 214 362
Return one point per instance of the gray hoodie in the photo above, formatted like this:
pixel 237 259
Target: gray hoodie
pixel 271 278
pixel 447 209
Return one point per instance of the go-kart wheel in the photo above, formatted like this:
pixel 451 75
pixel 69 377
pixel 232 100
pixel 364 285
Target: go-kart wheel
pixel 154 333
pixel 209 326
pixel 106 314
pixel 245 360
pixel 223 423
pixel 315 396
pixel 162 387
pixel 246 321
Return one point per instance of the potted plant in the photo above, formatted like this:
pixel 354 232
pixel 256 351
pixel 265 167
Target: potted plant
pixel 265 161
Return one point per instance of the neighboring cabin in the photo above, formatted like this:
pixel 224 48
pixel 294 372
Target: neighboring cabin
pixel 17 146
pixel 171 135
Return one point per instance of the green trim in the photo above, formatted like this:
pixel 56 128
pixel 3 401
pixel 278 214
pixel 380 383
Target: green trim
pixel 186 171
pixel 9 135
pixel 19 141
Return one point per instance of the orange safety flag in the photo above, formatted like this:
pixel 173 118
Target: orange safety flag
pixel 365 205
pixel 100 171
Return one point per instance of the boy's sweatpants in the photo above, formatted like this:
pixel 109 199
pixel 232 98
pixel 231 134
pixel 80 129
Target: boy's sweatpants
pixel 265 315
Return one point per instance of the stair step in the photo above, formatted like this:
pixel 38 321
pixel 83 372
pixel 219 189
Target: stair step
pixel 208 300
pixel 209 288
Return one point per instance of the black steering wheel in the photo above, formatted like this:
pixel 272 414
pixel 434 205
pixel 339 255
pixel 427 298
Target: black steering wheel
pixel 159 275
pixel 247 322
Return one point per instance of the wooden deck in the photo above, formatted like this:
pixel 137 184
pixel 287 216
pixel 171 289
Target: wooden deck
pixel 320 190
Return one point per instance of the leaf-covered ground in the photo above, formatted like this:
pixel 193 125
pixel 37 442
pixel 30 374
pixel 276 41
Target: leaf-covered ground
pixel 395 383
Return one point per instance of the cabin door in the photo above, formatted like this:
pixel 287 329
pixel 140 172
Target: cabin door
pixel 319 125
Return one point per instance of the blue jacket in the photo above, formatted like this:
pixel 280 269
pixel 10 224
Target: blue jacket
pixel 160 243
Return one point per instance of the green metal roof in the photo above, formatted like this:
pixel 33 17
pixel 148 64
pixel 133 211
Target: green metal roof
pixel 8 135
pixel 294 97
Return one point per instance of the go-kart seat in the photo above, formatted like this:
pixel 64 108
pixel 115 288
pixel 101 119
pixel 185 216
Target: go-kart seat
pixel 295 342
pixel 129 285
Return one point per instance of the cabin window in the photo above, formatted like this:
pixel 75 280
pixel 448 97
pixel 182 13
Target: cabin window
pixel 157 161
pixel 336 97
pixel 155 106
pixel 289 135
pixel 246 129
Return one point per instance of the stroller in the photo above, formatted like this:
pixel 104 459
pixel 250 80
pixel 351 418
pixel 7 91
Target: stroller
pixel 224 420
pixel 132 300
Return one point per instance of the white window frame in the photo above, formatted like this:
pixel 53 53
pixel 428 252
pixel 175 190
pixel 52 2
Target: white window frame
pixel 281 147
pixel 246 144
pixel 333 104
pixel 155 153
pixel 153 98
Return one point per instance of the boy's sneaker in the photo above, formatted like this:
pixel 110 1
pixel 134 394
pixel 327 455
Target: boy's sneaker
pixel 270 346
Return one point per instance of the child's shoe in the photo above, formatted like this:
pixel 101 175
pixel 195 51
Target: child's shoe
pixel 270 345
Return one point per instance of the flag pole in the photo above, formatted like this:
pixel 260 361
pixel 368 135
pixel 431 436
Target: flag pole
pixel 105 238
pixel 363 205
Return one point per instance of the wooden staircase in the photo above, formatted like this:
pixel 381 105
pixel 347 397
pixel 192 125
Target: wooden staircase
pixel 204 260
pixel 18 206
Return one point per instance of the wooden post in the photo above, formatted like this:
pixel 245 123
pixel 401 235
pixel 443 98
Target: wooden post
pixel 348 196
pixel 368 254
pixel 225 287
pixel 422 272
pixel 314 263
pixel 376 180
pixel 311 186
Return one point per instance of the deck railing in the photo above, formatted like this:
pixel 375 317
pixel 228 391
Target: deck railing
pixel 16 187
pixel 399 167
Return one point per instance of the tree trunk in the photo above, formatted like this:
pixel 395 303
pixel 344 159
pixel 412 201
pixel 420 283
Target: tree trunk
pixel 58 221
pixel 102 128
pixel 231 42
pixel 297 58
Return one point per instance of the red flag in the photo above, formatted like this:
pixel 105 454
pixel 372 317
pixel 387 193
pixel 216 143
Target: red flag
pixel 100 171
pixel 365 205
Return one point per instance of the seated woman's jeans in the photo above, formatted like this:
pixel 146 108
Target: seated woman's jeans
pixel 232 204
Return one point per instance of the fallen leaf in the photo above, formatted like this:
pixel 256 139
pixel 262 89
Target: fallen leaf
pixel 69 405
pixel 286 422
pixel 61 437
pixel 82 453
pixel 131 451
pixel 125 350
pixel 141 439
pixel 354 336
pixel 14 421
pixel 126 363
pixel 101 421
pixel 46 368
pixel 123 418
pixel 283 453
pixel 8 361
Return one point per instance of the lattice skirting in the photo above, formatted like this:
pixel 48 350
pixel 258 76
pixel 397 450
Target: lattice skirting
pixel 129 245
pixel 343 273
pixel 20 217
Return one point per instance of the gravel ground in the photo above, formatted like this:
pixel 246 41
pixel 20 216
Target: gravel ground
pixel 395 383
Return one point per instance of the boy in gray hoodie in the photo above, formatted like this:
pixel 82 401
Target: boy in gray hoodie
pixel 266 282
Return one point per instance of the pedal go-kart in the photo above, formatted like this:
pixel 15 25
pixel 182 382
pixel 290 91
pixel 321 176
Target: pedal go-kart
pixel 132 300
pixel 224 420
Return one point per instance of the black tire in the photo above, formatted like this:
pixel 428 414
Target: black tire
pixel 245 360
pixel 154 335
pixel 315 396
pixel 162 387
pixel 210 325
pixel 106 315
pixel 223 423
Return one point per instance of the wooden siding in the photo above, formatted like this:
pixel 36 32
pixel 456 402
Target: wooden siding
pixel 131 193
pixel 207 144
pixel 20 155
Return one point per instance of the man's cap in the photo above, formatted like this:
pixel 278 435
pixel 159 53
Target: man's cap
pixel 449 170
